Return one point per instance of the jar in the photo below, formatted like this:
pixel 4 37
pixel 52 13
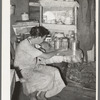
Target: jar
pixel 65 43
pixel 12 9
pixel 25 16
pixel 48 39
pixel 74 46
pixel 57 43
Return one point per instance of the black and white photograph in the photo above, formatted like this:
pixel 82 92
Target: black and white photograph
pixel 52 49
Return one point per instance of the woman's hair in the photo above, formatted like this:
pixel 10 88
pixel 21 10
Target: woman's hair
pixel 39 31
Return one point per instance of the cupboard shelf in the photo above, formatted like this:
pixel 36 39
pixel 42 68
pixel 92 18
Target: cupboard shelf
pixel 49 4
pixel 59 28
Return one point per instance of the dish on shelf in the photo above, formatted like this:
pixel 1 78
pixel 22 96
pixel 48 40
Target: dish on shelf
pixel 49 17
pixel 59 17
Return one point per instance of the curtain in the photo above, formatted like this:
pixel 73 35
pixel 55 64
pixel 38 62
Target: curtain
pixel 86 25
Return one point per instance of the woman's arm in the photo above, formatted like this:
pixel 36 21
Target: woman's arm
pixel 47 55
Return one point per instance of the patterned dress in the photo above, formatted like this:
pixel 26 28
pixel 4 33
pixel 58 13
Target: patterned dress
pixel 38 77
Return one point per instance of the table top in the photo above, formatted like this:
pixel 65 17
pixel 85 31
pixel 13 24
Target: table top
pixel 66 56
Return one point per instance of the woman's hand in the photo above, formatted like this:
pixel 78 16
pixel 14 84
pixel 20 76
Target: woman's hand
pixel 59 51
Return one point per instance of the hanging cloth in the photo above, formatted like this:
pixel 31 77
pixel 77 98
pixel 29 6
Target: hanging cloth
pixel 86 21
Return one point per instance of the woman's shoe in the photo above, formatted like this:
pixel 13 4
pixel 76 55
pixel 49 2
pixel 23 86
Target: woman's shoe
pixel 41 96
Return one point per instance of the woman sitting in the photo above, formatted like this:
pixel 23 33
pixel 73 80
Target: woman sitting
pixel 41 81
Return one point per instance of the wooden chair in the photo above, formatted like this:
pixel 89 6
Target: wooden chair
pixel 22 80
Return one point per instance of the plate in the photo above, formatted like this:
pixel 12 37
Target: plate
pixel 49 17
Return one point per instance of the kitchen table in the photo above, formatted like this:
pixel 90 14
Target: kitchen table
pixel 63 59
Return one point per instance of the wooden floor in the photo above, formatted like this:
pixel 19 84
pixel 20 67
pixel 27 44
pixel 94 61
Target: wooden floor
pixel 68 93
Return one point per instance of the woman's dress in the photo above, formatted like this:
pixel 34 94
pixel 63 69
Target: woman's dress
pixel 38 77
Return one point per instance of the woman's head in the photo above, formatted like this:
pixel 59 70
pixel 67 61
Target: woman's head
pixel 39 31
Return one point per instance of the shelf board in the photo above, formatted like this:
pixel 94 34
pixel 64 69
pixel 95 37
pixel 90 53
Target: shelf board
pixel 49 4
pixel 20 26
pixel 25 24
pixel 59 28
pixel 34 4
